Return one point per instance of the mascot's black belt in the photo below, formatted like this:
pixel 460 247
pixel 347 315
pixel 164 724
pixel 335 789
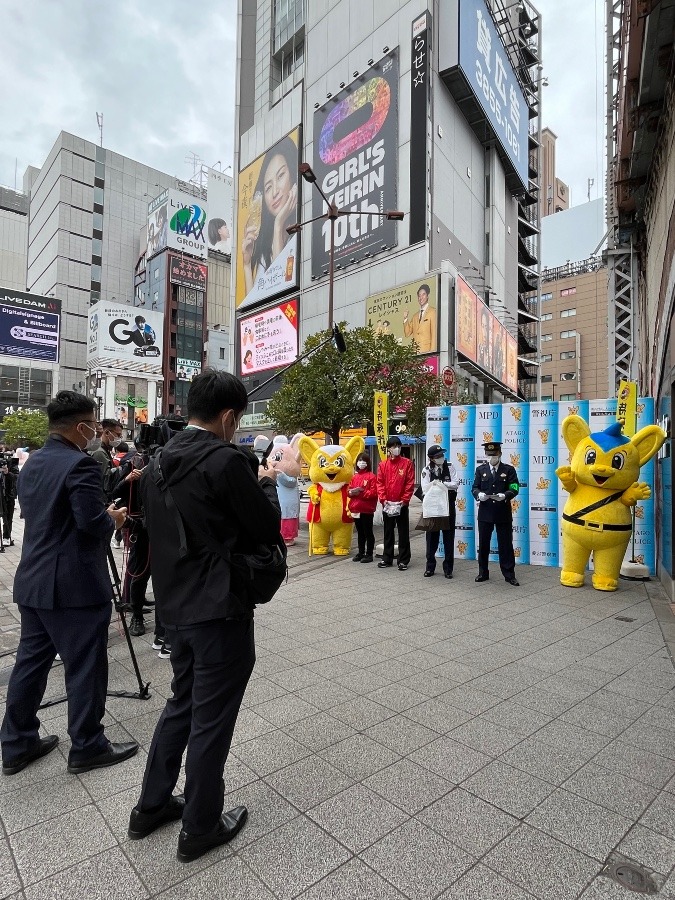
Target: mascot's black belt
pixel 596 526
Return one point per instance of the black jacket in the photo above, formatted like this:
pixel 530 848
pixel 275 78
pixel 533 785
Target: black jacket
pixel 505 482
pixel 217 492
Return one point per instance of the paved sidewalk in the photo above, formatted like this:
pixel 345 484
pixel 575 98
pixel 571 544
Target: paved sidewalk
pixel 401 738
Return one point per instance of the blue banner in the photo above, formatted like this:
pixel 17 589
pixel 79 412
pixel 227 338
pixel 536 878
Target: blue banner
pixel 29 334
pixel 463 458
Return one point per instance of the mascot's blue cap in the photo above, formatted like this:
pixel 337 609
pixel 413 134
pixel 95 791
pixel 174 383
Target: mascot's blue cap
pixel 609 438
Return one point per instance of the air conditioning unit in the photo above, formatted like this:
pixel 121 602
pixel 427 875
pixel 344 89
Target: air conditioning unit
pixel 568 376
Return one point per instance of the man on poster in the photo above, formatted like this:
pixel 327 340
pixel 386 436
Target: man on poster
pixel 422 328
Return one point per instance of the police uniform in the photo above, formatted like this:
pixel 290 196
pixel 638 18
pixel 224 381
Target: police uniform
pixel 495 514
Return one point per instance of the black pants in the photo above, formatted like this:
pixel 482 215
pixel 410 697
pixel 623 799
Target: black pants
pixel 212 663
pixel 138 570
pixel 80 636
pixel 433 538
pixel 364 533
pixel 507 559
pixel 7 518
pixel 390 524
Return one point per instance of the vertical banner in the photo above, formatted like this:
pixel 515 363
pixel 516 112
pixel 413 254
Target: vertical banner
pixel 381 421
pixel 566 408
pixel 626 407
pixel 488 428
pixel 645 510
pixel 515 452
pixel 463 457
pixel 438 428
pixel 544 515
pixel 420 78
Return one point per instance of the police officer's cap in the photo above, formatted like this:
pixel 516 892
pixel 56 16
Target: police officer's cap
pixel 435 450
pixel 492 446
pixel 394 441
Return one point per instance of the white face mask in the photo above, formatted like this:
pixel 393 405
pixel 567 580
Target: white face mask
pixel 361 464
pixel 91 443
pixel 116 442
pixel 394 451
pixel 438 460
pixel 493 460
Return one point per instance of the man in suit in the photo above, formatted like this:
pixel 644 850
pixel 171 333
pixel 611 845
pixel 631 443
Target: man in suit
pixel 63 591
pixel 422 328
pixel 494 486
pixel 208 503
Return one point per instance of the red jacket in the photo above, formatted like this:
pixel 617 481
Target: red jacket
pixel 367 501
pixel 396 479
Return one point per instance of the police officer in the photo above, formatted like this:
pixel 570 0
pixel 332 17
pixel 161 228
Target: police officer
pixel 494 486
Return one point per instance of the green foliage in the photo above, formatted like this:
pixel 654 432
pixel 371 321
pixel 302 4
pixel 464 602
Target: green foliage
pixel 25 428
pixel 330 391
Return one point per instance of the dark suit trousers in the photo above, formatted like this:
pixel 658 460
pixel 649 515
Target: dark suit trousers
pixel 433 538
pixel 80 636
pixel 138 570
pixel 390 524
pixel 507 560
pixel 7 518
pixel 212 663
pixel 365 534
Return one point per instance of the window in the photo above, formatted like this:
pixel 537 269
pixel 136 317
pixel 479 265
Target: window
pixel 545 397
pixel 545 357
pixel 545 297
pixel 96 247
pixel 568 334
pixel 568 376
pixel 98 221
pixel 568 396
pixel 545 378
pixel 566 313
pixel 546 337
pixel 96 274
pixel 568 354
pixel 546 316
pixel 221 351
pixel 567 292
pixel 98 195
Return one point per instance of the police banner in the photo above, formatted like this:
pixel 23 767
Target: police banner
pixel 515 452
pixel 566 408
pixel 463 457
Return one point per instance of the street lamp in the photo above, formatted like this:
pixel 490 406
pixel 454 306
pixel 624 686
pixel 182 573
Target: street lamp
pixel 332 213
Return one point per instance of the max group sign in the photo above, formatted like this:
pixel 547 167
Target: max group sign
pixel 178 221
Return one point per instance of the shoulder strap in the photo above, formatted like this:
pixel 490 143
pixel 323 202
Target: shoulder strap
pixel 600 503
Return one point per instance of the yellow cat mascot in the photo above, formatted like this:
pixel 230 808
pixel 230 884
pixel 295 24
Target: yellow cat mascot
pixel 602 484
pixel 330 470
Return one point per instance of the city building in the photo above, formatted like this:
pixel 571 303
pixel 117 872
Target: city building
pixel 554 196
pixel 381 101
pixel 14 206
pixel 641 225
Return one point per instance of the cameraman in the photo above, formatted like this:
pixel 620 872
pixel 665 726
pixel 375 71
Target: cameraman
pixel 10 476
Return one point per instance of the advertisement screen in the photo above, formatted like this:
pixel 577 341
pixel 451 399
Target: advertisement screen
pixel 186 369
pixel 356 164
pixel 126 336
pixel 269 201
pixel 187 272
pixel 465 319
pixel 219 228
pixel 177 220
pixel 269 339
pixel 511 363
pixel 29 325
pixel 482 338
pixel 409 312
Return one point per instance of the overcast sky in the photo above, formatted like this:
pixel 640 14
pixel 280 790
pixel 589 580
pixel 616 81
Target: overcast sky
pixel 163 77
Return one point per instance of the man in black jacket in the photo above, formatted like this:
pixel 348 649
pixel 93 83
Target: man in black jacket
pixel 210 487
pixel 494 487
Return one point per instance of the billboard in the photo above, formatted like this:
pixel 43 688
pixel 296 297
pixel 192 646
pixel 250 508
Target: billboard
pixel 269 201
pixel 188 272
pixel 126 337
pixel 356 164
pixel 269 338
pixel 219 228
pixel 29 325
pixel 465 319
pixel 186 369
pixel 409 312
pixel 420 93
pixel 177 220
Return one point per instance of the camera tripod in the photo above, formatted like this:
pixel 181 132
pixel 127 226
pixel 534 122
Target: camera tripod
pixel 143 692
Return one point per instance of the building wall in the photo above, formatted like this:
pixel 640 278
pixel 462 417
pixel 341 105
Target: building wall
pixel 13 246
pixel 587 295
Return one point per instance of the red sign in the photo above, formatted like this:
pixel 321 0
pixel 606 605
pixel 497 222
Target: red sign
pixel 448 376
pixel 187 272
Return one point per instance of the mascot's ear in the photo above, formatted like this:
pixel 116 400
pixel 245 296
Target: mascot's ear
pixel 307 447
pixel 648 441
pixel 574 430
pixel 295 441
pixel 354 446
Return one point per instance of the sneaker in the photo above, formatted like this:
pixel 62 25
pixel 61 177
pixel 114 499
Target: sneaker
pixel 157 644
pixel 165 652
pixel 137 626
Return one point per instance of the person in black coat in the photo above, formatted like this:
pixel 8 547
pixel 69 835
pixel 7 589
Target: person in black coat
pixel 211 493
pixel 64 594
pixel 494 486
pixel 10 476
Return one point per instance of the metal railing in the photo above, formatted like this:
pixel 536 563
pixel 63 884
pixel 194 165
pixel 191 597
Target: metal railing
pixel 572 269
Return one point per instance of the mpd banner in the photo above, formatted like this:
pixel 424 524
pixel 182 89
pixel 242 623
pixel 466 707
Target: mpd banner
pixel 532 443
pixel 357 168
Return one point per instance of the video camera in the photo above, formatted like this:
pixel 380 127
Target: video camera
pixel 152 437
pixel 9 460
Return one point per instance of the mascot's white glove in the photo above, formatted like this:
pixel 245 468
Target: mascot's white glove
pixel 501 496
pixel 482 496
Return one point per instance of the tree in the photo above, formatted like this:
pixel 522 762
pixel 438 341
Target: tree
pixel 330 390
pixel 25 428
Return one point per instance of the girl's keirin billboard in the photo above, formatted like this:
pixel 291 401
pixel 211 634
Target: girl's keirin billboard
pixel 356 164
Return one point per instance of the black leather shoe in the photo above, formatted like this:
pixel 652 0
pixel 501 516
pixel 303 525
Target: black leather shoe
pixel 42 748
pixel 116 753
pixel 482 578
pixel 137 626
pixel 367 558
pixel 514 581
pixel 448 574
pixel 142 824
pixel 402 567
pixel 429 573
pixel 357 558
pixel 384 565
pixel 192 846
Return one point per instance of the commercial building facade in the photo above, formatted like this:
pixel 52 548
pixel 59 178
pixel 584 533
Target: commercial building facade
pixel 383 104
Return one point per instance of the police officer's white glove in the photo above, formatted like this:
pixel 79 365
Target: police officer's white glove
pixel 450 485
pixel 501 496
pixel 482 496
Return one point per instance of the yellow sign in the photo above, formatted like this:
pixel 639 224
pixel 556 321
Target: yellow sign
pixel 626 407
pixel 408 312
pixel 381 421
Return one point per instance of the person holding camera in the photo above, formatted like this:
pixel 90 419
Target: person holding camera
pixel 63 590
pixel 204 500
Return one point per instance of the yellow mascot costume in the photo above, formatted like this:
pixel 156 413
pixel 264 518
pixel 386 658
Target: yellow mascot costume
pixel 330 470
pixel 602 484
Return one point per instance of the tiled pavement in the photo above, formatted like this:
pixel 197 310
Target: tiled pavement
pixel 401 738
